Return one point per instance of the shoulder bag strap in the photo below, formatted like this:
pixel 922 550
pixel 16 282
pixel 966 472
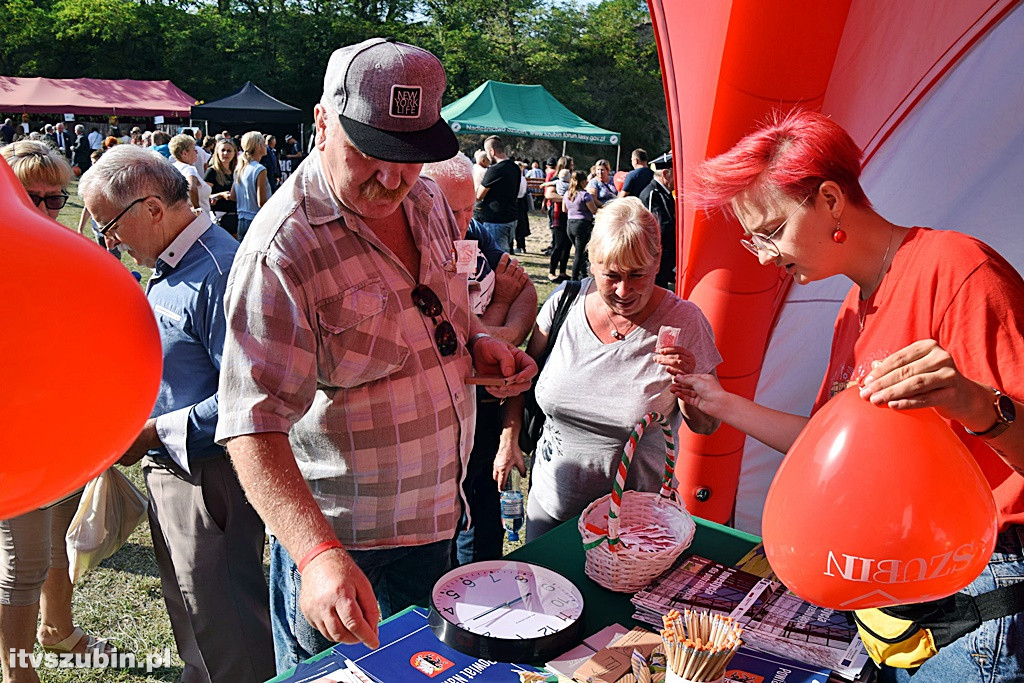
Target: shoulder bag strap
pixel 569 294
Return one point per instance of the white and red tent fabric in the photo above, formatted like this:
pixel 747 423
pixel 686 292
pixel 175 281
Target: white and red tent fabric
pixel 92 96
pixel 931 89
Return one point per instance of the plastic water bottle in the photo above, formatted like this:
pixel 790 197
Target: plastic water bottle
pixel 512 507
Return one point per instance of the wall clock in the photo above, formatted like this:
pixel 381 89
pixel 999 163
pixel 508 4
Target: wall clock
pixel 507 611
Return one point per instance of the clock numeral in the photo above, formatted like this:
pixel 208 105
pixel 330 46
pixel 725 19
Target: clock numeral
pixel 557 602
pixel 545 630
pixel 458 625
pixel 468 582
pixel 452 594
pixel 522 578
pixel 486 633
pixel 493 578
pixel 449 610
pixel 547 586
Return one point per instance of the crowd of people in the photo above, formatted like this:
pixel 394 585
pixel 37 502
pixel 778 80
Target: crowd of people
pixel 215 160
pixel 570 199
pixel 347 379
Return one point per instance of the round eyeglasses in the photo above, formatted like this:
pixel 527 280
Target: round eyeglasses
pixel 756 243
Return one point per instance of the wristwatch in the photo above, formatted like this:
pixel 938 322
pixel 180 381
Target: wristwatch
pixel 474 339
pixel 1006 413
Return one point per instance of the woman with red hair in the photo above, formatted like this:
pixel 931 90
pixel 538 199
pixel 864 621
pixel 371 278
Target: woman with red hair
pixel 934 319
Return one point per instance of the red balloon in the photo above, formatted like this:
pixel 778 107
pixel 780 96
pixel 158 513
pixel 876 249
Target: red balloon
pixel 619 179
pixel 875 507
pixel 80 357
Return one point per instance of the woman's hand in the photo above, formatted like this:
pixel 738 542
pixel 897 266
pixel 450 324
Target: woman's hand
pixel 509 455
pixel 703 392
pixel 924 375
pixel 677 360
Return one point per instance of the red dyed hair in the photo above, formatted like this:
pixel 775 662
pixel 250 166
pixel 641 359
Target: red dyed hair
pixel 794 152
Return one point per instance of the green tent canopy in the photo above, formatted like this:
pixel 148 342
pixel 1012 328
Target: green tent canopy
pixel 528 111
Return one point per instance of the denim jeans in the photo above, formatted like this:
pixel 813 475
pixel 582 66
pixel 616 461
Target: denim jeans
pixel 400 577
pixel 994 652
pixel 504 234
pixel 243 227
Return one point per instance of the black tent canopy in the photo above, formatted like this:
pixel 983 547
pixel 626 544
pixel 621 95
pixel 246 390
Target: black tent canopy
pixel 248 105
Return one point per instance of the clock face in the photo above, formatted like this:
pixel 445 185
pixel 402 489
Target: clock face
pixel 510 611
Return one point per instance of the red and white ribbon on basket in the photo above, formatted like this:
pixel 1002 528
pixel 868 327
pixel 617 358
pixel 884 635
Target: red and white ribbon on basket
pixel 612 534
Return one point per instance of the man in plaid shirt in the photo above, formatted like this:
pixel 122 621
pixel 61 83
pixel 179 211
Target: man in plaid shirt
pixel 343 398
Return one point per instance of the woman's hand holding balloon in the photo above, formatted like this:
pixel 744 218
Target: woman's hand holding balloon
pixel 924 375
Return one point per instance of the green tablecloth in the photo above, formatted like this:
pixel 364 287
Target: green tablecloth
pixel 562 550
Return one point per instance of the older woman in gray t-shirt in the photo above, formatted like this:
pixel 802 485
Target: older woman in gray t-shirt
pixel 605 373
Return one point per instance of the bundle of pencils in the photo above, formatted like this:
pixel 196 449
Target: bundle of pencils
pixel 699 645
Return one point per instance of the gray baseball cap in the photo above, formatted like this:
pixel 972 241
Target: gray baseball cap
pixel 388 98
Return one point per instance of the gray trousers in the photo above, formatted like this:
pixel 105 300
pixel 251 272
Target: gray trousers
pixel 209 544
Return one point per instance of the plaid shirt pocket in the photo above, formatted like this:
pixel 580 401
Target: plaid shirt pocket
pixel 359 336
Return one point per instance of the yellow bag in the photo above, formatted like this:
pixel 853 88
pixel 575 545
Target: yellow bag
pixel 906 636
pixel 110 509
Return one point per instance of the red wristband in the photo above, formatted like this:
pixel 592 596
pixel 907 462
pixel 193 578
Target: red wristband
pixel 317 550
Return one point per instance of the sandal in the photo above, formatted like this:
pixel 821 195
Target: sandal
pixel 93 644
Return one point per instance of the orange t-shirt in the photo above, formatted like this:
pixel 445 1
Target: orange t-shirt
pixel 952 288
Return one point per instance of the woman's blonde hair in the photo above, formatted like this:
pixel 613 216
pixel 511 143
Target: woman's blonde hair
pixel 224 173
pixel 626 235
pixel 180 144
pixel 36 162
pixel 251 142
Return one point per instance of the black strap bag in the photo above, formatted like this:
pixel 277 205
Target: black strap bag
pixel 906 636
pixel 533 416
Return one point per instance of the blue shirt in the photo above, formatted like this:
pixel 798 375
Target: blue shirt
pixel 162 149
pixel 187 296
pixel 246 199
pixel 637 180
pixel 485 243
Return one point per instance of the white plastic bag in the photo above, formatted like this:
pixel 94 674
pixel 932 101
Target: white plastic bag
pixel 110 509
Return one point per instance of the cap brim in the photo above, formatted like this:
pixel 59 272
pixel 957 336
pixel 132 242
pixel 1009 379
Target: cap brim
pixel 436 143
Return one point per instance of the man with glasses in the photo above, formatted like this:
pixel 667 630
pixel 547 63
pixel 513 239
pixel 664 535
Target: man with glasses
pixel 208 540
pixel 343 398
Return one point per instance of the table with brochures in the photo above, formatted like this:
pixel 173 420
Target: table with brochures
pixel 562 550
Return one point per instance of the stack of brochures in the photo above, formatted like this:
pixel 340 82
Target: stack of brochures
pixel 409 651
pixel 774 620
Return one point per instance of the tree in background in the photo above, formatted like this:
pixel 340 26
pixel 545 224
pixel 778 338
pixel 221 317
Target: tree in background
pixel 600 60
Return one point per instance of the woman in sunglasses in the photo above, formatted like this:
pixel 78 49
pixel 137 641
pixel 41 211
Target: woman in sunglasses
pixel 33 555
pixel 607 369
pixel 934 319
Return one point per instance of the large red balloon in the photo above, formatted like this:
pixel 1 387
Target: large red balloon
pixel 875 507
pixel 80 357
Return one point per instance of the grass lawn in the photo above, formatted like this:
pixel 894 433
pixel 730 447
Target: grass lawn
pixel 121 599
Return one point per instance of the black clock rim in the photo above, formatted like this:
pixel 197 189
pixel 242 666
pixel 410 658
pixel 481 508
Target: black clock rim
pixel 513 650
pixel 528 651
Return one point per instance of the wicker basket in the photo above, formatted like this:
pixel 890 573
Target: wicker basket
pixel 608 562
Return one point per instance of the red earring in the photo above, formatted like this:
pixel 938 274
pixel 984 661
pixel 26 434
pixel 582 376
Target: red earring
pixel 838 235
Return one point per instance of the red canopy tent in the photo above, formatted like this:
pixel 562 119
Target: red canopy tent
pixel 93 96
